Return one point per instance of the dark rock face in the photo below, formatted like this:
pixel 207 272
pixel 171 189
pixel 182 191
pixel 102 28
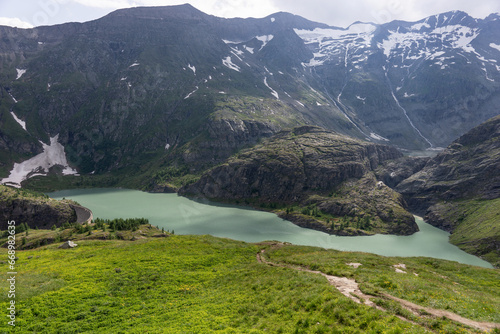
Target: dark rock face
pixel 307 166
pixel 458 191
pixel 35 213
pixel 225 137
pixel 394 172
pixel 291 164
pixel 468 168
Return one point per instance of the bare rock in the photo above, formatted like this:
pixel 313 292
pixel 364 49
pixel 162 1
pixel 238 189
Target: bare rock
pixel 68 244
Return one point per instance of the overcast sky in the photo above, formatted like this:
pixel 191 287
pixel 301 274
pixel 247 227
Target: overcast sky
pixel 29 13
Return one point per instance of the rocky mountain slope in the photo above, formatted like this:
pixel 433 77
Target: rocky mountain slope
pixel 468 168
pixel 322 172
pixel 459 190
pixel 175 85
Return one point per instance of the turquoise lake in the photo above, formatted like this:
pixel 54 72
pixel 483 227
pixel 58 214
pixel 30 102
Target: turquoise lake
pixel 186 216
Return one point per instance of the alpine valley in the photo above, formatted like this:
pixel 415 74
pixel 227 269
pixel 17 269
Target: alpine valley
pixel 349 131
pixel 315 122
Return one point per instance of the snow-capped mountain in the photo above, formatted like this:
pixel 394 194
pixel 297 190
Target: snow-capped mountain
pixel 176 85
pixel 433 74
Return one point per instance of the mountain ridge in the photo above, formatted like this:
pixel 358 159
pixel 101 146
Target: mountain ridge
pixel 171 72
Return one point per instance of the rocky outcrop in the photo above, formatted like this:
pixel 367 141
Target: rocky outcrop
pixel 35 211
pixel 311 167
pixel 315 224
pixel 459 190
pixel 223 137
pixel 35 214
pixel 394 172
pixel 468 168
pixel 291 164
pixel 68 244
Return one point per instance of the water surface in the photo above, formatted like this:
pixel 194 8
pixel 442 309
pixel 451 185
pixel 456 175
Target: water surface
pixel 186 216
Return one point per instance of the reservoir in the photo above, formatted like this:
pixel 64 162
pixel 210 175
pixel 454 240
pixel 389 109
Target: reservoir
pixel 186 216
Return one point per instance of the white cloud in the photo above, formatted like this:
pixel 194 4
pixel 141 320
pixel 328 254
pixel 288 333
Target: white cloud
pixel 337 13
pixel 221 8
pixel 111 4
pixel 14 22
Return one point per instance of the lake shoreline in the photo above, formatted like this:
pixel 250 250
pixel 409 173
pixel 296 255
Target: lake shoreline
pixel 187 216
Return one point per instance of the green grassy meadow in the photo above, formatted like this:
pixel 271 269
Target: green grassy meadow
pixel 203 284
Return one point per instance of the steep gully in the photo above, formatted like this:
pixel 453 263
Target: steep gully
pixel 349 288
pixel 404 111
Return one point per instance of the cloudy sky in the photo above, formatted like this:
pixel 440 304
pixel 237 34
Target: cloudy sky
pixel 29 13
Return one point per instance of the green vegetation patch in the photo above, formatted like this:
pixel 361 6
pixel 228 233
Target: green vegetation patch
pixel 476 226
pixel 200 284
pixel 472 292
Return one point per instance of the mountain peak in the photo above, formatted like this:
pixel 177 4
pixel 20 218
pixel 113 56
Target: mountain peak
pixel 492 17
pixel 287 20
pixel 455 17
pixel 185 11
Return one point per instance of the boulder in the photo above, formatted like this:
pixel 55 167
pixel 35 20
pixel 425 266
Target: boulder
pixel 68 244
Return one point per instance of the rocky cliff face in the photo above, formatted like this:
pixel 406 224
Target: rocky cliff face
pixel 468 168
pixel 292 163
pixel 312 167
pixel 34 210
pixel 459 191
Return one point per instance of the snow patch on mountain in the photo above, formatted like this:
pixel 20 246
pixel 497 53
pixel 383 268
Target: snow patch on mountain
pixel 20 73
pixel 275 94
pixel 230 42
pixel 419 26
pixel 264 39
pixel 378 137
pixel 249 49
pixel 495 46
pixel 237 52
pixel 40 164
pixel 417 45
pixel 13 98
pixel 229 63
pixel 19 121
pixel 329 42
pixel 189 95
pixel 361 32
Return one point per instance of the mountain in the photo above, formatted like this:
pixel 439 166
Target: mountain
pixel 152 88
pixel 328 176
pixel 459 190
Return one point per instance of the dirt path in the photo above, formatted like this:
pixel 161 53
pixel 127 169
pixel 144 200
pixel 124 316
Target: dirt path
pixel 485 326
pixel 349 288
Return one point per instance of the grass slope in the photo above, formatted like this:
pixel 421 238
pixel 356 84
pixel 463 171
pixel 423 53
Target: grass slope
pixel 203 284
pixel 476 226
